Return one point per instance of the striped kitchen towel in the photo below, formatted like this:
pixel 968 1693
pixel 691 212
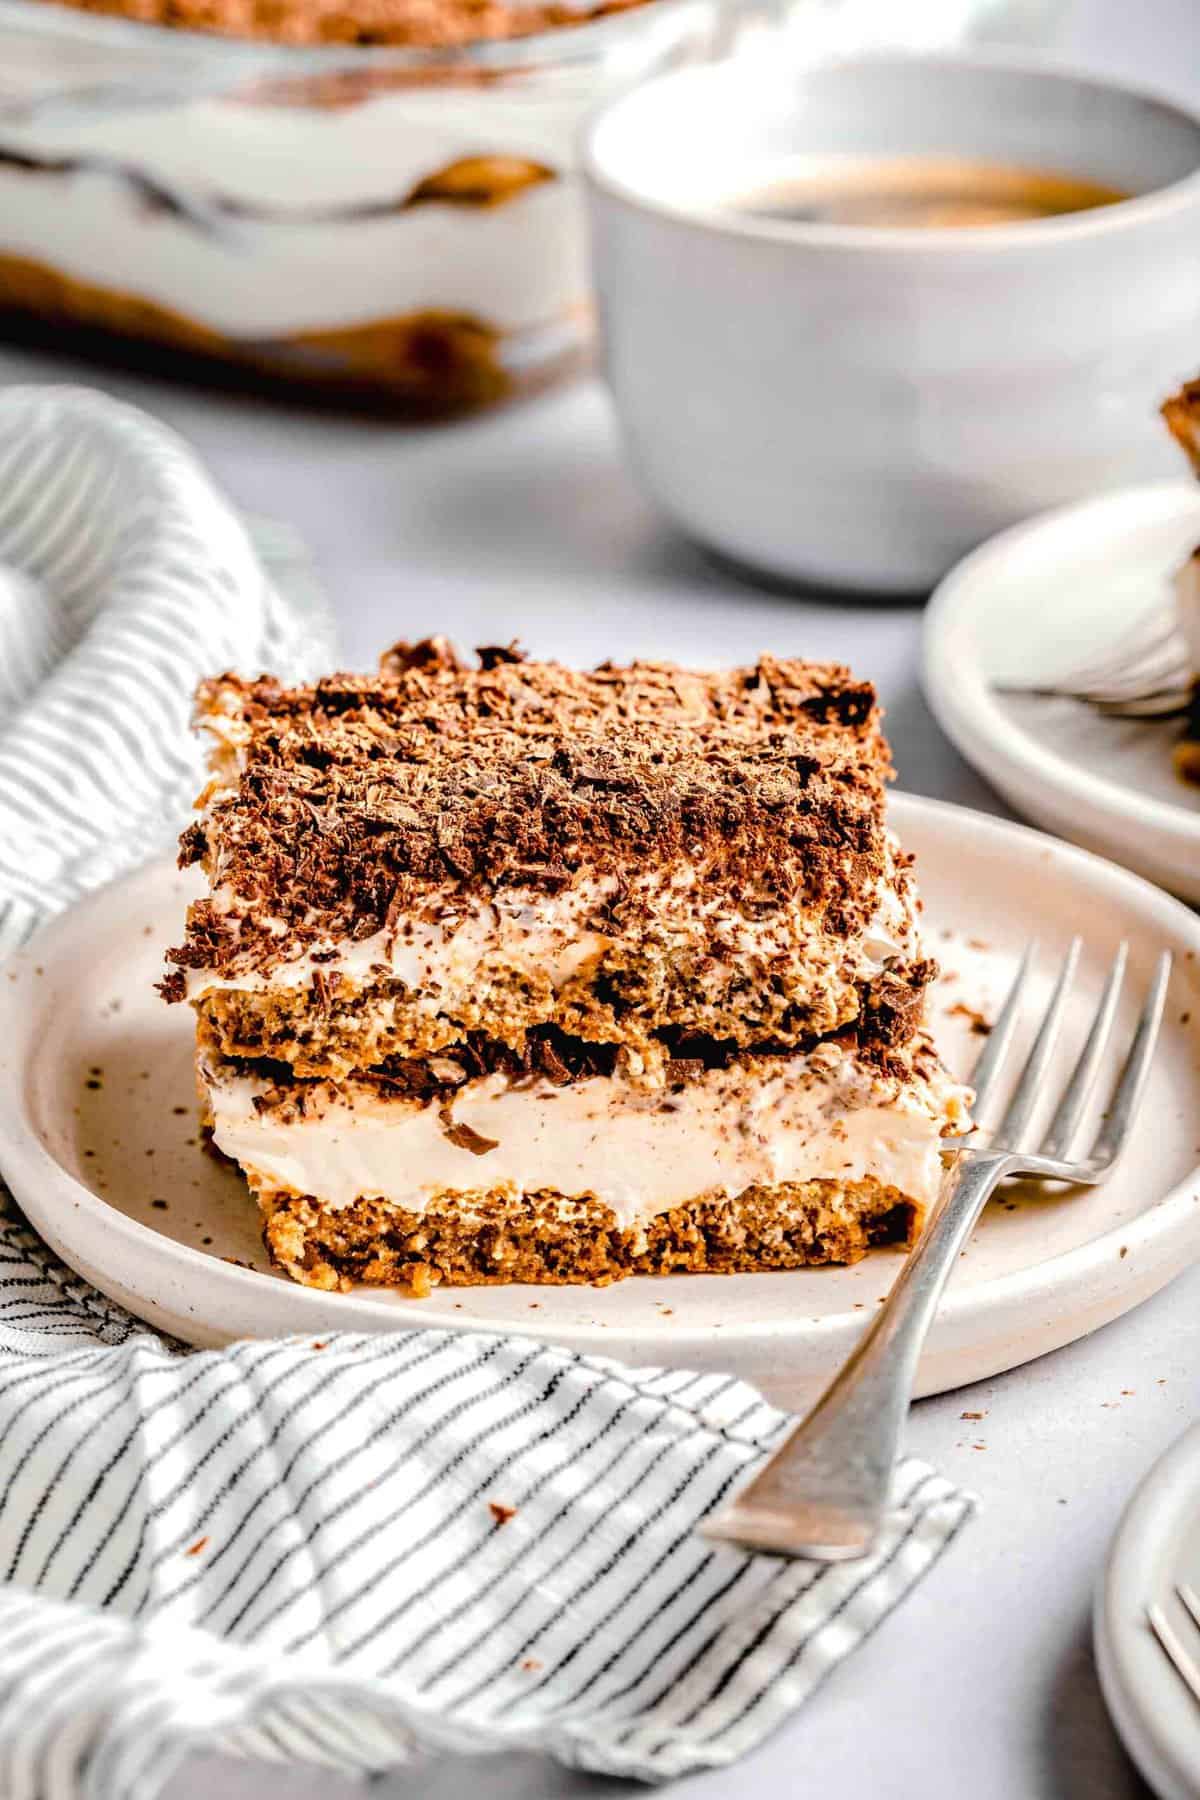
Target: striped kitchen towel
pixel 124 578
pixel 338 1551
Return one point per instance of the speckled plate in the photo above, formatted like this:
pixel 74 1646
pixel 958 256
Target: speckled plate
pixel 1156 1547
pixel 98 1141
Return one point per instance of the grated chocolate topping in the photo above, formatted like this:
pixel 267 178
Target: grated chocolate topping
pixel 340 806
pixel 550 1055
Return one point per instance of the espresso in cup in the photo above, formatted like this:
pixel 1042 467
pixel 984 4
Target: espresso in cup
pixel 836 403
pixel 920 191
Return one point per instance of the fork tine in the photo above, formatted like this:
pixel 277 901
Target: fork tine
pixel 1132 1081
pixel 1184 1664
pixel 991 1057
pixel 1011 1127
pixel 1062 1127
pixel 1191 1600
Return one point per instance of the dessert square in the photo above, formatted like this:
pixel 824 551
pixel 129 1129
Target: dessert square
pixel 516 972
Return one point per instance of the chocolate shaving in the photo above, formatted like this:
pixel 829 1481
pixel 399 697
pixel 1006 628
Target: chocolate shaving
pixel 979 1022
pixel 552 1065
pixel 361 797
pixel 193 845
pixel 892 1004
pixel 430 653
pixel 494 656
pixel 465 1138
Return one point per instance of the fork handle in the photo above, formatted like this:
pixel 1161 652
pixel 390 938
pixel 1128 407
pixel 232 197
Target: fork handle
pixel 824 1493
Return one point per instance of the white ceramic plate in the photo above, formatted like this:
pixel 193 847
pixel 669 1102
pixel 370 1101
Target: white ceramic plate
pixel 98 1140
pixel 1035 603
pixel 1156 1546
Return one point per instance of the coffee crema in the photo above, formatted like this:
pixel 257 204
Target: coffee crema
pixel 926 192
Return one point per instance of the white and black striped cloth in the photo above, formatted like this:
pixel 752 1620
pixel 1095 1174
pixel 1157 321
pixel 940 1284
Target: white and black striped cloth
pixel 338 1551
pixel 124 578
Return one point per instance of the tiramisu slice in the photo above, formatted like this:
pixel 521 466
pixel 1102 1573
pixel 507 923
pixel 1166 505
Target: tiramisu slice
pixel 517 973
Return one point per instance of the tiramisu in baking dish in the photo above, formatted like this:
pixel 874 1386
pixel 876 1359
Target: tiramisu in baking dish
pixel 515 973
pixel 369 196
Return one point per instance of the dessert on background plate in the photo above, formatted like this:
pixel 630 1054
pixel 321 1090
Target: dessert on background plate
pixel 520 973
pixel 1134 665
pixel 1089 587
pixel 375 198
pixel 1182 413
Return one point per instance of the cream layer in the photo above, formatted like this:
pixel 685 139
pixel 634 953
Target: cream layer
pixel 638 1150
pixel 297 265
pixel 444 952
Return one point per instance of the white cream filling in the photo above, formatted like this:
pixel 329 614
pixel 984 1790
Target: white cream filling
pixel 525 930
pixel 520 266
pixel 638 1152
pixel 549 935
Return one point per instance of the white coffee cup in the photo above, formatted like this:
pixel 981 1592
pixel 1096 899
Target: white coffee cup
pixel 857 405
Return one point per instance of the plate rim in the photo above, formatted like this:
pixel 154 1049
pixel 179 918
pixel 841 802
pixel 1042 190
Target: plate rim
pixel 1156 1506
pixel 30 1168
pixel 966 708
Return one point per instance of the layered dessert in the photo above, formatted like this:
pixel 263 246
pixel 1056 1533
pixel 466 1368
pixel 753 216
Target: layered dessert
pixel 1182 414
pixel 515 973
pixel 401 226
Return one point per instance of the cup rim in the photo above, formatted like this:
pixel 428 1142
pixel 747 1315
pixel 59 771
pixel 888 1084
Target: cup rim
pixel 879 240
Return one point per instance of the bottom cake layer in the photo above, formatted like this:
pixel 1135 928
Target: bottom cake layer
pixel 491 1236
pixel 427 363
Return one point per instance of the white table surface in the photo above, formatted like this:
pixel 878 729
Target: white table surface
pixel 527 524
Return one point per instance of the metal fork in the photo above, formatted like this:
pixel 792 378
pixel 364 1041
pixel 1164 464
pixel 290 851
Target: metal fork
pixel 1185 1662
pixel 824 1492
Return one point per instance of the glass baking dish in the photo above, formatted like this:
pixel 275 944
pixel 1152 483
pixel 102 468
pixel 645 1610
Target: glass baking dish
pixel 394 222
pixel 401 224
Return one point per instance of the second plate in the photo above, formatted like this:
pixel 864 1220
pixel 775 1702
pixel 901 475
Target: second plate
pixel 1035 604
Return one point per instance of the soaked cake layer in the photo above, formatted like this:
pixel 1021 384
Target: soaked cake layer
pixel 488 1236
